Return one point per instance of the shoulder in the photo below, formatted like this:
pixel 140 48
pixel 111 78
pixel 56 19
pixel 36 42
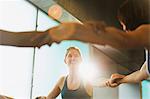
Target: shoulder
pixel 141 34
pixel 144 26
pixel 61 82
pixel 61 78
pixel 142 31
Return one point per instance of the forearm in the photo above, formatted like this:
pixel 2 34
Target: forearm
pixel 94 33
pixel 135 77
pixel 100 83
pixel 105 35
pixel 119 39
pixel 54 93
pixel 50 98
pixel 23 39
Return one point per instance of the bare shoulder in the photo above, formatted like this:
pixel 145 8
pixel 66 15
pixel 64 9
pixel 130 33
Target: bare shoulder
pixel 144 28
pixel 141 34
pixel 61 82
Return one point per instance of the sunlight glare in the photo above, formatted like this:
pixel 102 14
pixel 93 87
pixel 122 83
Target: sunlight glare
pixel 88 71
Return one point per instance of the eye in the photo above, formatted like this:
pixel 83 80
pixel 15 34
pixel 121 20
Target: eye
pixel 77 55
pixel 69 55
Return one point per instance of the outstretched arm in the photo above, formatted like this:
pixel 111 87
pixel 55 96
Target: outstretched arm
pixel 25 39
pixel 92 32
pixel 95 32
pixel 136 77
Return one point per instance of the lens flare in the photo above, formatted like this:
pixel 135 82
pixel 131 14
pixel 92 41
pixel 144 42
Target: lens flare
pixel 88 71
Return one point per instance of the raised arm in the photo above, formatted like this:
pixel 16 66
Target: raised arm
pixel 92 32
pixel 25 39
pixel 100 34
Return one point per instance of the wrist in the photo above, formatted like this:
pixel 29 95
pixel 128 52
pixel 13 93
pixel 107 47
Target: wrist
pixel 122 81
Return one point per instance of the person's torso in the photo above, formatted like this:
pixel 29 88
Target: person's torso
pixel 79 93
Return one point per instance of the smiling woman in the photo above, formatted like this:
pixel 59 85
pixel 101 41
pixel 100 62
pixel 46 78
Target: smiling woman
pixel 50 66
pixel 71 86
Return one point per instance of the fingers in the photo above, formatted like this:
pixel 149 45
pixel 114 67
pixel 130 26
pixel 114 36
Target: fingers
pixel 109 84
pixel 62 32
pixel 114 85
pixel 115 78
pixel 41 97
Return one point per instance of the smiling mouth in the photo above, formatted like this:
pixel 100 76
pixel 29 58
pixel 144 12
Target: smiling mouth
pixel 73 62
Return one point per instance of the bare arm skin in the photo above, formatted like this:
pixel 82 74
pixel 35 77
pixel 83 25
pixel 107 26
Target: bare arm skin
pixel 57 89
pixel 92 32
pixel 136 77
pixel 25 39
pixel 99 34
pixel 114 80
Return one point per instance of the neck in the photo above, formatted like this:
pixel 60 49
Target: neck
pixel 73 74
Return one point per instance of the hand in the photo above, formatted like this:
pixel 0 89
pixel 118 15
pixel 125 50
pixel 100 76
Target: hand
pixel 115 78
pixel 63 31
pixel 114 81
pixel 40 97
pixel 112 85
pixel 87 32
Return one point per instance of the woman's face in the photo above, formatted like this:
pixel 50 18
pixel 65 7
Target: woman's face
pixel 73 58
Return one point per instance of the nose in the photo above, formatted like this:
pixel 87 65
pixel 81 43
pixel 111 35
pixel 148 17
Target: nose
pixel 73 58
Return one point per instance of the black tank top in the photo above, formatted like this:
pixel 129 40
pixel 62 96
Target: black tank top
pixel 79 93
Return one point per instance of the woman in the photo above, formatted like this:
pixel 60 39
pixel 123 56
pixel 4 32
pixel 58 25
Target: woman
pixel 71 86
pixel 136 23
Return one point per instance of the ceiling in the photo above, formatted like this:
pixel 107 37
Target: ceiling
pixel 93 10
pixel 100 10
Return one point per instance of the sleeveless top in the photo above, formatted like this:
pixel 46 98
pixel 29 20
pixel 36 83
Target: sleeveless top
pixel 79 93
